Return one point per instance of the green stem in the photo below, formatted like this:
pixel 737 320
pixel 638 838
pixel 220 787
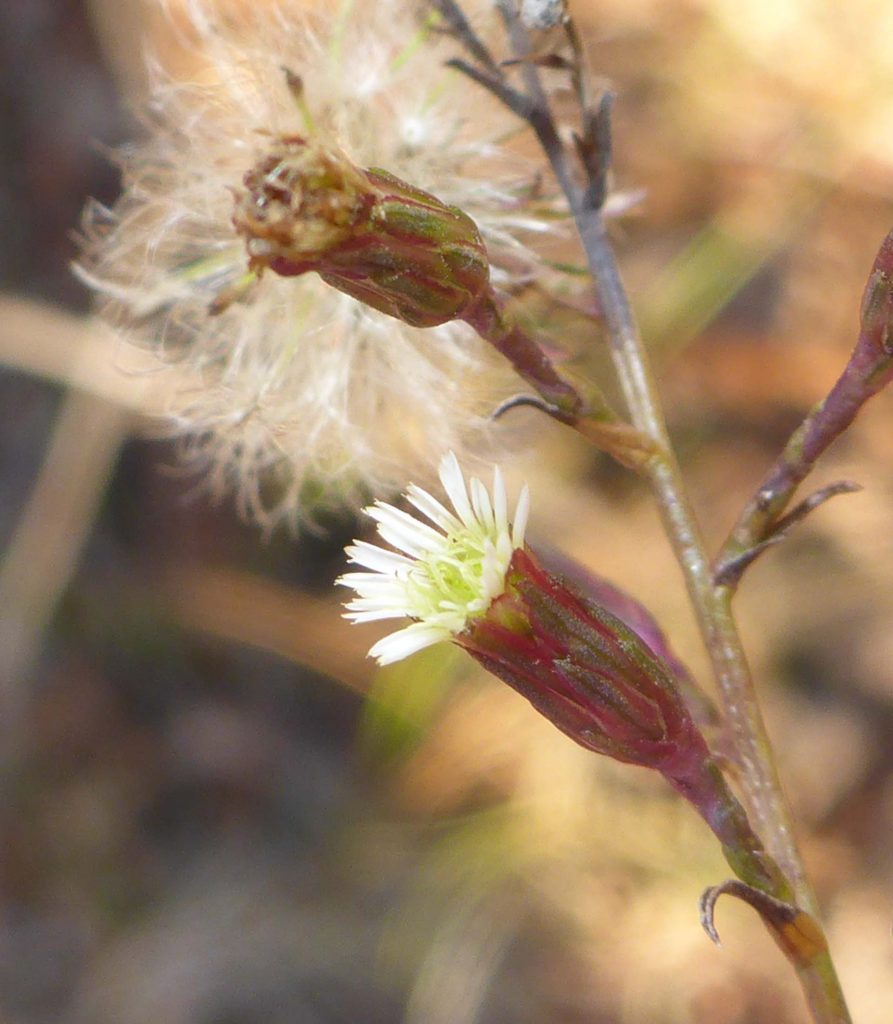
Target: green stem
pixel 704 785
pixel 821 986
pixel 763 790
pixel 588 413
pixel 712 604
pixel 764 796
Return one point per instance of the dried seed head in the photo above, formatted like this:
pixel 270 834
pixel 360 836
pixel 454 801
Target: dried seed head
pixel 287 391
pixel 388 244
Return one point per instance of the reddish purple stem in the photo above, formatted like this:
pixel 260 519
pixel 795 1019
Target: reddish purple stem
pixel 488 317
pixel 869 369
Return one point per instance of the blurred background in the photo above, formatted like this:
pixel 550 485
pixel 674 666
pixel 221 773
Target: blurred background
pixel 214 810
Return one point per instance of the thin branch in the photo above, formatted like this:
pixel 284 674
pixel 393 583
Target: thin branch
pixel 516 101
pixel 764 795
pixel 459 26
pixel 595 147
pixel 728 574
pixel 869 369
pixel 540 118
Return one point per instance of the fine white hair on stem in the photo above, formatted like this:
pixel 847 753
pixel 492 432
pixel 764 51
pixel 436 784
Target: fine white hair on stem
pixel 301 398
pixel 441 573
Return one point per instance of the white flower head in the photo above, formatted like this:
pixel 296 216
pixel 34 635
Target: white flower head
pixel 442 575
pixel 298 395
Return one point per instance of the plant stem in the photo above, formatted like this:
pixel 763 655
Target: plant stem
pixel 711 600
pixel 869 370
pixel 489 317
pixel 764 796
pixel 712 604
pixel 763 792
pixel 822 990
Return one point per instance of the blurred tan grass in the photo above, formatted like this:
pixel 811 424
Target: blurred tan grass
pixel 763 138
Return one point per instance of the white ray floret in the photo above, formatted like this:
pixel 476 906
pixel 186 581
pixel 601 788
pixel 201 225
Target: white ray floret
pixel 441 575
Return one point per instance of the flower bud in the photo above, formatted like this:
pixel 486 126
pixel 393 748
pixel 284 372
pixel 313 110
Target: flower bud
pixel 585 670
pixel 398 249
pixel 365 232
pixel 598 681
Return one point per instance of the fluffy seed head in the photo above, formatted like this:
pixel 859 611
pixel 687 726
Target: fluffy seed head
pixel 288 392
pixel 442 576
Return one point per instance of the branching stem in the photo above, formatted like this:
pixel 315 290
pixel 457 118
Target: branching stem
pixel 764 796
pixel 712 604
pixel 765 800
pixel 584 183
